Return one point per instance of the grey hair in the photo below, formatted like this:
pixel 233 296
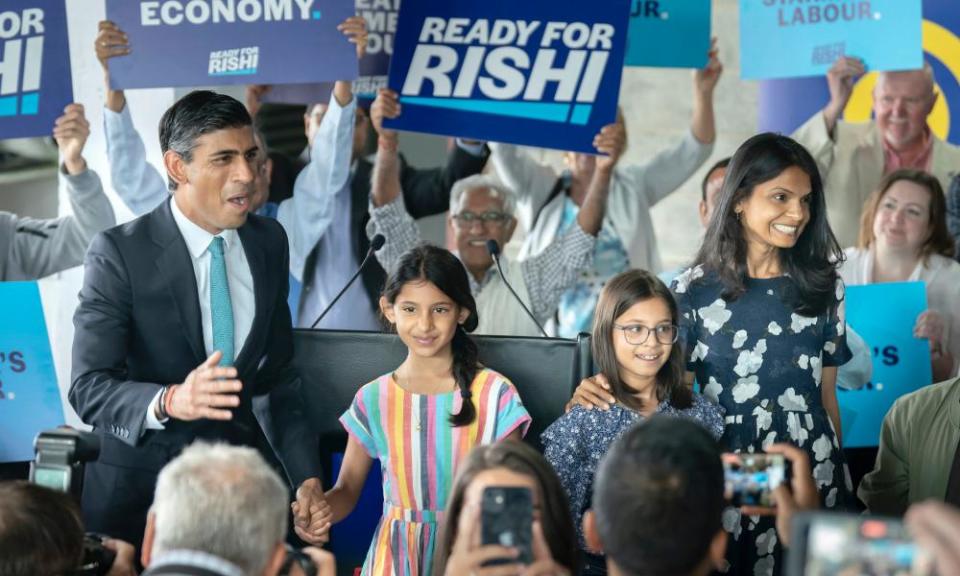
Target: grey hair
pixel 496 188
pixel 928 75
pixel 223 500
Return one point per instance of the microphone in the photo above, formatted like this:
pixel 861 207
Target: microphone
pixel 375 244
pixel 494 249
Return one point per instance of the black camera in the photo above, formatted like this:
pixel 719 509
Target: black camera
pixel 97 559
pixel 60 455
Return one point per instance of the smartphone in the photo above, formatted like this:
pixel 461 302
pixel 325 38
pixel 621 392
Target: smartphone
pixel 506 519
pixel 750 479
pixel 837 544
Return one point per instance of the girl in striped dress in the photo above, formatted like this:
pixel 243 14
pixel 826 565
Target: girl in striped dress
pixel 422 419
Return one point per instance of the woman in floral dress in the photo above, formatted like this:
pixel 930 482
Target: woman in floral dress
pixel 761 314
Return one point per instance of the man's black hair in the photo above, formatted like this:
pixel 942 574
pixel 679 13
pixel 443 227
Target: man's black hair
pixel 658 497
pixel 199 112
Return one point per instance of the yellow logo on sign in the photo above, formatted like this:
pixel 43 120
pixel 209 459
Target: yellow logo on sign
pixel 938 42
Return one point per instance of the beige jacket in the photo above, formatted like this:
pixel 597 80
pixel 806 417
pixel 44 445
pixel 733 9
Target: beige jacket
pixel 852 167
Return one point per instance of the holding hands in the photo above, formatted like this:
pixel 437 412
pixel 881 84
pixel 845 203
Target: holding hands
pixel 312 515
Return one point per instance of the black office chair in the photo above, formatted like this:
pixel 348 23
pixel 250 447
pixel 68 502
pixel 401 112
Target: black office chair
pixel 334 364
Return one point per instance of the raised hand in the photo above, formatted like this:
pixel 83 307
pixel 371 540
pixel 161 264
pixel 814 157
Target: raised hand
pixel 71 132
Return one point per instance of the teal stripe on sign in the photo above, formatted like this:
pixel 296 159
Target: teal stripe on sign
pixel 531 110
pixel 581 114
pixel 8 106
pixel 30 103
pixel 235 72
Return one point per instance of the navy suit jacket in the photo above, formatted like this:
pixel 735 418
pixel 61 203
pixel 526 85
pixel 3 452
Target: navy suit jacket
pixel 138 328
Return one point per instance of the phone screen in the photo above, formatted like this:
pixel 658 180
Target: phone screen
pixel 841 544
pixel 749 479
pixel 506 519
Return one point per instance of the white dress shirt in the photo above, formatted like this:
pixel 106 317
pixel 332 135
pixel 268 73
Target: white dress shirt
pixel 239 279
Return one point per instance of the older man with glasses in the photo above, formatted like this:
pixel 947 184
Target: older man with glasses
pixel 482 209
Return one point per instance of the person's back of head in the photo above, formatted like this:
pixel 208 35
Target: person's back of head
pixel 658 500
pixel 222 500
pixel 41 533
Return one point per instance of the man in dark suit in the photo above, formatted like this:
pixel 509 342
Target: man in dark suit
pixel 183 321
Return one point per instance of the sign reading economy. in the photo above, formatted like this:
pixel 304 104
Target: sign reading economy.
pixel 205 42
pixel 381 18
pixel 538 72
pixel 669 33
pixel 29 396
pixel 786 38
pixel 901 363
pixel 35 82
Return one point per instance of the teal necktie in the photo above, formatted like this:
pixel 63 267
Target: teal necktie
pixel 221 310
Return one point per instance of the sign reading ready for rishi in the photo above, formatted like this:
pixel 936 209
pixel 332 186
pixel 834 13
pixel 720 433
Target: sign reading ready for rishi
pixel 538 72
pixel 787 38
pixel 35 82
pixel 212 42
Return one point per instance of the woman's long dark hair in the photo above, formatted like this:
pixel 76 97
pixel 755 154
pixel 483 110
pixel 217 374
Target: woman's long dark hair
pixel 443 270
pixel 513 455
pixel 620 293
pixel 811 263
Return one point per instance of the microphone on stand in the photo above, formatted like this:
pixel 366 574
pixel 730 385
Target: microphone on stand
pixel 494 249
pixel 376 243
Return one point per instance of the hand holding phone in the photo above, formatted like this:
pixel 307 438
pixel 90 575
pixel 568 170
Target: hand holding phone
pixel 506 519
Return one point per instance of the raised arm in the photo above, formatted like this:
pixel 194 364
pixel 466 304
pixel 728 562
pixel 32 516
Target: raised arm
pixel 141 186
pixel 44 247
pixel 555 269
pixel 388 213
pixel 531 181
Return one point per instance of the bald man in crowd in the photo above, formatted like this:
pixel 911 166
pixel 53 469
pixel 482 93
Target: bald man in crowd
pixel 854 157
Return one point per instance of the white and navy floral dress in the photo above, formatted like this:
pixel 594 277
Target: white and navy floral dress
pixel 762 362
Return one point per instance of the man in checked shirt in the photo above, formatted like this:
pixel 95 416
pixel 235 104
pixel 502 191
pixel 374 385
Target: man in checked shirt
pixel 482 209
pixel 32 248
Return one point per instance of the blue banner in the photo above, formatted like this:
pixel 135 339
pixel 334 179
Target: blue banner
pixel 204 42
pixel 786 104
pixel 35 81
pixel 901 363
pixel 381 17
pixel 669 33
pixel 539 72
pixel 783 38
pixel 29 396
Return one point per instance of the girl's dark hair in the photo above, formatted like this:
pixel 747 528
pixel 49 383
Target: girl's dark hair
pixel 620 293
pixel 939 241
pixel 813 260
pixel 427 263
pixel 555 518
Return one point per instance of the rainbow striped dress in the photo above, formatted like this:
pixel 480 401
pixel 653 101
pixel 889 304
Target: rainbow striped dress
pixel 419 452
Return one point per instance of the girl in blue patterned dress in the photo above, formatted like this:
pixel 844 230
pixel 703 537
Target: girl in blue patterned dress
pixel 634 331
pixel 761 318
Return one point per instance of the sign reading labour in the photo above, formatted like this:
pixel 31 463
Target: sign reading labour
pixel 35 82
pixel 204 42
pixel 788 38
pixel 669 33
pixel 901 362
pixel 539 72
pixel 29 395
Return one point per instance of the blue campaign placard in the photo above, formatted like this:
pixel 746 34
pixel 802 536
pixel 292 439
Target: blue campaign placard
pixel 669 33
pixel 786 38
pixel 29 396
pixel 218 42
pixel 35 81
pixel 884 315
pixel 538 73
pixel 381 17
